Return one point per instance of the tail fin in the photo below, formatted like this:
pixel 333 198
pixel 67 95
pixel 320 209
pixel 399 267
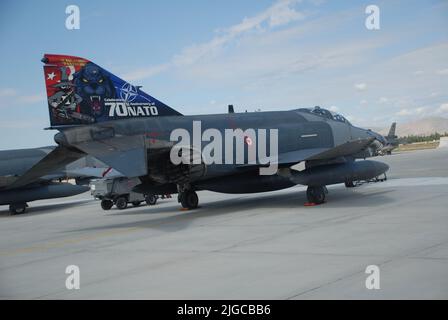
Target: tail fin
pixel 81 92
pixel 391 133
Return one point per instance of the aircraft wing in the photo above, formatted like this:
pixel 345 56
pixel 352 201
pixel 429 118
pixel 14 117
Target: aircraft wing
pixel 346 149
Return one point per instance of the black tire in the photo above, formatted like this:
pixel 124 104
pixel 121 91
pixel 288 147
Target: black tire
pixel 151 199
pixel 349 184
pixel 316 194
pixel 106 204
pixel 121 203
pixel 17 208
pixel 136 203
pixel 189 199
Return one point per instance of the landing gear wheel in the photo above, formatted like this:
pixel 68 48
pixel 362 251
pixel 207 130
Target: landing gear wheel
pixel 106 204
pixel 17 208
pixel 349 184
pixel 189 199
pixel 121 203
pixel 151 199
pixel 136 203
pixel 316 194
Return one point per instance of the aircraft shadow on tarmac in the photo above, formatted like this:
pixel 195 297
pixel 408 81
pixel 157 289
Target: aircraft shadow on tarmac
pixel 295 199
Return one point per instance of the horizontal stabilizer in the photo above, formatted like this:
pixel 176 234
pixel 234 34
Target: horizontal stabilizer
pixel 53 161
pixel 88 172
pixel 293 157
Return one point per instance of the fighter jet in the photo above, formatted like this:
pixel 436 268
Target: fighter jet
pixel 14 163
pixel 140 136
pixel 391 140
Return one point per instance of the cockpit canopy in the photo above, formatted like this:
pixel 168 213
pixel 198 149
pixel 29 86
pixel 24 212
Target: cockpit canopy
pixel 325 113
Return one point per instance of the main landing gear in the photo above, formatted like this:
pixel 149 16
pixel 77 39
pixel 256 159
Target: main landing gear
pixel 316 194
pixel 188 198
pixel 18 208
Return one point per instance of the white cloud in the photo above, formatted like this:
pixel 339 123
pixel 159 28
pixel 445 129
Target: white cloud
pixel 333 108
pixel 420 111
pixel 280 13
pixel 425 111
pixel 307 62
pixel 9 96
pixel 442 72
pixel 360 86
pixel 7 92
pixel 147 72
pixel 404 112
pixel 443 108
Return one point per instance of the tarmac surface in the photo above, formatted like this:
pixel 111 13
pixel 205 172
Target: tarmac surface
pixel 258 246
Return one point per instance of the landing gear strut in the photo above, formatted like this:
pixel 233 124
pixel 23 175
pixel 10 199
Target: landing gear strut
pixel 17 208
pixel 189 199
pixel 349 184
pixel 316 194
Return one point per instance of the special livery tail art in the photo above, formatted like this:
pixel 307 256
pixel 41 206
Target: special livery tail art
pixel 81 92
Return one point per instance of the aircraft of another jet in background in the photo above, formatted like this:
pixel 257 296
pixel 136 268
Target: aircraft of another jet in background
pixel 391 140
pixel 13 163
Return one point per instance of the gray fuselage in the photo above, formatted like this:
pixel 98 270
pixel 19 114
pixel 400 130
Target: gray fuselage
pixel 297 130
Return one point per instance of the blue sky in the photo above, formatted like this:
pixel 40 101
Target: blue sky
pixel 200 56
